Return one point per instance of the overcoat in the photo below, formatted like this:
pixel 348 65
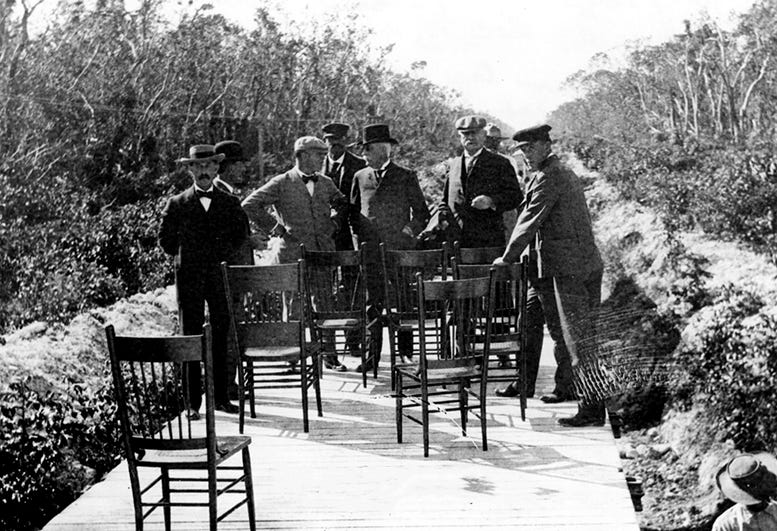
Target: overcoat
pixel 343 179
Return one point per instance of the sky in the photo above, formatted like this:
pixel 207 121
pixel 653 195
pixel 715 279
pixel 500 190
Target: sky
pixel 509 58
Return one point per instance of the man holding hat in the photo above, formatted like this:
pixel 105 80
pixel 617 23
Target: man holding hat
pixel 750 480
pixel 479 187
pixel 391 210
pixel 304 202
pixel 340 165
pixel 565 270
pixel 202 227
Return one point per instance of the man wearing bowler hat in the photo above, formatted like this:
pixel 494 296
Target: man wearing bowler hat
pixel 479 187
pixel 340 165
pixel 565 269
pixel 202 227
pixel 391 210
pixel 750 480
pixel 304 201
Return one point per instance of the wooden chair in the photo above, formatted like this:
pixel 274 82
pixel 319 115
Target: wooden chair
pixel 476 255
pixel 337 294
pixel 269 314
pixel 149 379
pixel 508 329
pixel 452 363
pixel 399 272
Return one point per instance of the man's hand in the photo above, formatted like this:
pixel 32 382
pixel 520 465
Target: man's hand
pixel 407 229
pixel 499 261
pixel 259 241
pixel 483 202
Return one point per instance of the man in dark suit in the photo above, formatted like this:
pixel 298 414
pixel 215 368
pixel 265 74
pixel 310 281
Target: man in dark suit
pixel 479 187
pixel 565 270
pixel 340 165
pixel 203 226
pixel 392 210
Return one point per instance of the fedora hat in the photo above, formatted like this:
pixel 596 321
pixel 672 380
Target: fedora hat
pixel 749 479
pixel 202 152
pixel 493 131
pixel 232 150
pixel 376 133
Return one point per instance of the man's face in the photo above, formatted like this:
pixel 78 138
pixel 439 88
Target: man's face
pixel 336 146
pixel 472 140
pixel 235 173
pixel 203 172
pixel 310 161
pixel 534 153
pixel 376 155
pixel 492 143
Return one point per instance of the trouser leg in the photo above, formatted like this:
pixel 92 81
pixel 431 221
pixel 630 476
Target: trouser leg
pixel 192 313
pixel 535 323
pixel 564 384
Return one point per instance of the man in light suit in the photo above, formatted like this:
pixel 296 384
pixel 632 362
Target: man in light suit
pixel 202 227
pixel 307 205
pixel 566 272
pixel 391 210
pixel 479 187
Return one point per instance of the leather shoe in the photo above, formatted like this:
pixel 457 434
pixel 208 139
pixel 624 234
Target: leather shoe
pixel 228 407
pixel 504 363
pixel 553 398
pixel 192 414
pixel 508 392
pixel 335 365
pixel 580 420
pixel 367 367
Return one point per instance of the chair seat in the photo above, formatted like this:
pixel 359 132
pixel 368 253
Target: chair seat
pixel 441 373
pixel 280 353
pixel 338 324
pixel 412 324
pixel 501 347
pixel 197 458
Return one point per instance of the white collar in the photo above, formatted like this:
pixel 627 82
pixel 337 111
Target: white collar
pixel 385 165
pixel 338 161
pixel 197 188
pixel 477 153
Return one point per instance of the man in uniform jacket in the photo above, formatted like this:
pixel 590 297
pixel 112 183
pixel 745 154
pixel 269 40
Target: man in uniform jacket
pixel 202 227
pixel 480 186
pixel 340 165
pixel 565 269
pixel 391 210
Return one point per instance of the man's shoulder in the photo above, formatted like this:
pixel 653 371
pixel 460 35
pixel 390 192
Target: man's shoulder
pixel 729 519
pixel 404 171
pixel 182 196
pixel 352 161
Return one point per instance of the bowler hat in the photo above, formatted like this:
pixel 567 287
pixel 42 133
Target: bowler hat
pixel 376 133
pixel 309 143
pixel 493 131
pixel 202 152
pixel 749 479
pixel 335 130
pixel 232 150
pixel 532 134
pixel 470 123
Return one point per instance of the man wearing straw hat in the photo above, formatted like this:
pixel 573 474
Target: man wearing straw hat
pixel 750 480
pixel 202 227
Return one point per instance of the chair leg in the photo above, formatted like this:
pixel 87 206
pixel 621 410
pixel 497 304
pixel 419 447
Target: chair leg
pixel 137 497
pixel 251 390
pixel 166 497
pixel 392 357
pixel 364 359
pixel 398 411
pixel 483 418
pixel 241 398
pixel 212 498
pixel 425 416
pixel 463 406
pixel 303 371
pixel 317 384
pixel 249 484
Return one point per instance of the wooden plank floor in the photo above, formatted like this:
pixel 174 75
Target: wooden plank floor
pixel 350 473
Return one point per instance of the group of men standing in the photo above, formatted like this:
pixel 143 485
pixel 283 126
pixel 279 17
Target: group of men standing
pixel 334 200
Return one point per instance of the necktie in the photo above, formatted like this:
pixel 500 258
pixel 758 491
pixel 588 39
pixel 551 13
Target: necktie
pixel 200 194
pixel 379 175
pixel 307 178
pixel 335 169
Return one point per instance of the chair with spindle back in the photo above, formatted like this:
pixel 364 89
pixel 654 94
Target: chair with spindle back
pixel 269 312
pixel 451 367
pixel 149 378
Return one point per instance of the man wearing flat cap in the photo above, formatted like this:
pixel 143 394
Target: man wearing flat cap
pixel 340 165
pixel 391 210
pixel 307 205
pixel 479 187
pixel 749 480
pixel 554 227
pixel 202 227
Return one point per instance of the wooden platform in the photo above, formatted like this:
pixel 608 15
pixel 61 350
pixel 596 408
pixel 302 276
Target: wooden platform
pixel 349 472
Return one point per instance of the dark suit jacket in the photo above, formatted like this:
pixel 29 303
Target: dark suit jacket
pixel 555 218
pixel 343 179
pixel 492 175
pixel 244 255
pixel 306 219
pixel 385 208
pixel 201 240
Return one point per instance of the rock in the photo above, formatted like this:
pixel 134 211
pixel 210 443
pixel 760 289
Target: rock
pixel 659 450
pixel 32 330
pixel 653 433
pixel 643 450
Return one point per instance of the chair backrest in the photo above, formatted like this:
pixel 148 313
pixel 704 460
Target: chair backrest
pixel 335 283
pixel 267 304
pixel 150 382
pixel 462 311
pixel 476 255
pixel 400 269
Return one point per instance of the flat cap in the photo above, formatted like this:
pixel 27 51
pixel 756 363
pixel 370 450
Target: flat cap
pixel 493 131
pixel 232 150
pixel 335 130
pixel 309 143
pixel 470 123
pixel 532 134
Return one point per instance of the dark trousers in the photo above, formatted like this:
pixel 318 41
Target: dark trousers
pixel 535 323
pixel 193 292
pixel 571 307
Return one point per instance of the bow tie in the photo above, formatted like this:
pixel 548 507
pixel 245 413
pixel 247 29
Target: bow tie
pixel 307 178
pixel 200 193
